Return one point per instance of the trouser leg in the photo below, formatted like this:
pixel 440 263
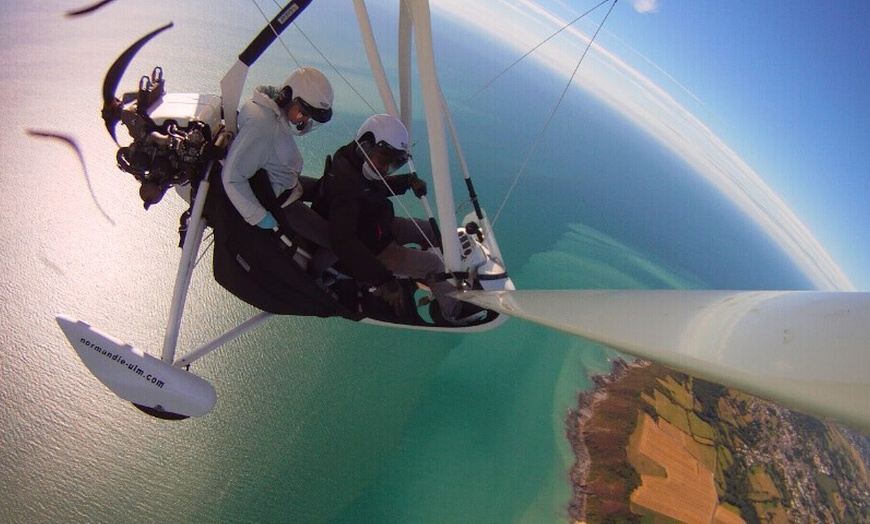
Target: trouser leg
pixel 314 227
pixel 413 231
pixel 424 265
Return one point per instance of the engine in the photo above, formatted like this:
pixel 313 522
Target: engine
pixel 174 136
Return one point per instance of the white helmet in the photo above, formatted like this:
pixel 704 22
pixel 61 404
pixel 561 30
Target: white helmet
pixel 383 140
pixel 312 91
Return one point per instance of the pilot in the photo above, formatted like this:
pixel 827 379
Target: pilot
pixel 365 233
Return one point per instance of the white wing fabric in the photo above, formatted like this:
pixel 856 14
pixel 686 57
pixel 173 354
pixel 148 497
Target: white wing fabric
pixel 807 350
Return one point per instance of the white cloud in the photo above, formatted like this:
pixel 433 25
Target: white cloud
pixel 645 6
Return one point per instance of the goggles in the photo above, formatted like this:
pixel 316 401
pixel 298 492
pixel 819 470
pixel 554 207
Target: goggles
pixel 387 158
pixel 321 115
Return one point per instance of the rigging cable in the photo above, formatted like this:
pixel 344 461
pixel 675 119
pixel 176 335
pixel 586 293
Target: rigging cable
pixel 206 249
pixel 352 134
pixel 532 50
pixel 347 129
pixel 277 36
pixel 319 52
pixel 550 117
pixel 334 68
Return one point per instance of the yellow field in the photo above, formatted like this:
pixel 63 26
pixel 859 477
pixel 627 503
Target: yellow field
pixel 686 492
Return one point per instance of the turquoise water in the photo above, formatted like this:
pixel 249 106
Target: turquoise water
pixel 316 419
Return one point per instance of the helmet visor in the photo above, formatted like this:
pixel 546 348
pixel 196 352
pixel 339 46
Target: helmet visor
pixel 315 113
pixel 388 159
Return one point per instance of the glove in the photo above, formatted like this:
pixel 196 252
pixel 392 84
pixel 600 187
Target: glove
pixel 417 184
pixel 268 222
pixel 391 293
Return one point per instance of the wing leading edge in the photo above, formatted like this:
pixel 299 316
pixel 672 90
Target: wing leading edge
pixel 807 350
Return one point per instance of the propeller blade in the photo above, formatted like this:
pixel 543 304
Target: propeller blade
pixel 807 350
pixel 70 141
pixel 87 9
pixel 111 106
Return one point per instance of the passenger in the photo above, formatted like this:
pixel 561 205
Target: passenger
pixel 365 233
pixel 268 124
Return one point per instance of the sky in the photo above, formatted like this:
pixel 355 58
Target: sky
pixel 768 101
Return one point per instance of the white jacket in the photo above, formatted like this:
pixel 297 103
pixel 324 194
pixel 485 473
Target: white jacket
pixel 264 141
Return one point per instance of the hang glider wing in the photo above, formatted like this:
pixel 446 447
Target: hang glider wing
pixel 807 350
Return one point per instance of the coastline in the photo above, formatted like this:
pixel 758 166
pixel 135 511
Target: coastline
pixel 651 442
pixel 577 420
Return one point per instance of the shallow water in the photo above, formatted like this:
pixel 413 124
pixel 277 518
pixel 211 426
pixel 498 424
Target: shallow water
pixel 316 419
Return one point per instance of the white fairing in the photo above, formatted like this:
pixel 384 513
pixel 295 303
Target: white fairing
pixel 137 376
pixel 185 108
pixel 472 252
pixel 807 350
pixel 481 265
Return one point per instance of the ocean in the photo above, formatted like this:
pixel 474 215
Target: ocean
pixel 316 420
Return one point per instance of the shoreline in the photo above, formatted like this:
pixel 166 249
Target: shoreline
pixel 576 420
pixel 652 441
